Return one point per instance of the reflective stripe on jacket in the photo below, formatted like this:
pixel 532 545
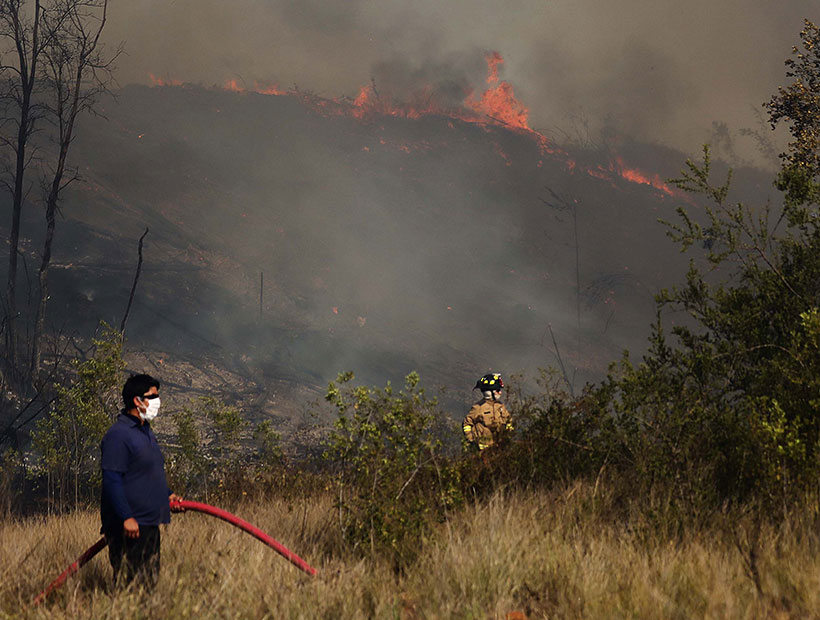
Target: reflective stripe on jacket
pixel 485 421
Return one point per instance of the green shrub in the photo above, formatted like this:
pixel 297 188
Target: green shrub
pixel 11 476
pixel 269 456
pixel 187 463
pixel 392 479
pixel 65 440
pixel 208 460
pixel 558 437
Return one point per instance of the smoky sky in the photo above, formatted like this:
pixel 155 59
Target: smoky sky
pixel 660 71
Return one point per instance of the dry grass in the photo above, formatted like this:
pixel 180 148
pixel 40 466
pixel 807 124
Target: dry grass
pixel 544 555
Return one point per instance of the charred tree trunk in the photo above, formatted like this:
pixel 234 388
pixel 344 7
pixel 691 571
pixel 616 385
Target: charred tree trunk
pixel 51 217
pixel 72 52
pixel 134 286
pixel 28 52
pixel 66 135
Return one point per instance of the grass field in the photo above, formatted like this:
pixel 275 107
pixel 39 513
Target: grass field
pixel 533 555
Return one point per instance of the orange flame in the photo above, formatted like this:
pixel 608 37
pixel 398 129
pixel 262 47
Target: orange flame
pixel 636 176
pixel 269 89
pixel 259 88
pixel 234 86
pixel 498 102
pixel 156 81
pixel 497 105
pixel 494 61
pixel 362 98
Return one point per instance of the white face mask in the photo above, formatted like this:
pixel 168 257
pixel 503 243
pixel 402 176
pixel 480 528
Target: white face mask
pixel 152 411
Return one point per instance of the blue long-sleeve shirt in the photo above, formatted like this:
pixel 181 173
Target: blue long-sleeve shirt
pixel 114 488
pixel 133 468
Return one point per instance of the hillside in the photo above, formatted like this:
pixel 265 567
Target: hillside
pixel 382 242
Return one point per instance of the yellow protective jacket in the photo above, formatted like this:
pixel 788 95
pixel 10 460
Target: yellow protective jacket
pixel 485 422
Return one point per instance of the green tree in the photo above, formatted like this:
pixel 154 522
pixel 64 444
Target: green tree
pixel 798 105
pixel 728 409
pixel 67 437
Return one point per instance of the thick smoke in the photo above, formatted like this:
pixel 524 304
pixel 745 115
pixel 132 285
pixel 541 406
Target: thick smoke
pixel 389 245
pixel 661 71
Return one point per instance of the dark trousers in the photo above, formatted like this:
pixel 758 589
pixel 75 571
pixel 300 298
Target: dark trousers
pixel 135 558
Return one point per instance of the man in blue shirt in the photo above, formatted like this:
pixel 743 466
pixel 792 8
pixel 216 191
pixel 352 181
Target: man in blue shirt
pixel 135 495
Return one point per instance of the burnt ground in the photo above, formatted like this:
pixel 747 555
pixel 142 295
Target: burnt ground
pixel 386 245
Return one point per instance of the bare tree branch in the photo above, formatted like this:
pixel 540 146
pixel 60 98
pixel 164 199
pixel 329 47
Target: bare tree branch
pixel 73 54
pixel 134 287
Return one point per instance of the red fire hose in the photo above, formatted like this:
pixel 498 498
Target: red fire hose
pixel 78 563
pixel 250 529
pixel 196 507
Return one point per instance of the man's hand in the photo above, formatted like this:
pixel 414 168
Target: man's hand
pixel 130 528
pixel 172 498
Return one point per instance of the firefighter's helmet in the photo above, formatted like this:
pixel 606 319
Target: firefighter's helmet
pixel 490 383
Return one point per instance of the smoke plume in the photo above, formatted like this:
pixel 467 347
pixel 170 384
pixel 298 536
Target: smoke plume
pixel 660 72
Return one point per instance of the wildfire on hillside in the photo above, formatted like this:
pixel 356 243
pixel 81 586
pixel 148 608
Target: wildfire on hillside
pixel 498 102
pixel 636 176
pixel 496 105
pixel 157 81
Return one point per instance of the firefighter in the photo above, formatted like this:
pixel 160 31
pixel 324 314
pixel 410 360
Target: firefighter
pixel 488 419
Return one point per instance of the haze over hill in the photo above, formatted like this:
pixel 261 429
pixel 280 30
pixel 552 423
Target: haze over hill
pixel 381 238
pixel 372 173
pixel 658 72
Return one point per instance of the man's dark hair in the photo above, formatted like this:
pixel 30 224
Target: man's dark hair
pixel 137 385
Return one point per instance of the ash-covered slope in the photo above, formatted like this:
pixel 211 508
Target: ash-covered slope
pixel 381 244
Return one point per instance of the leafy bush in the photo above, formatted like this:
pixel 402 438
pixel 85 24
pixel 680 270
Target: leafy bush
pixel 66 438
pixel 392 479
pixel 187 465
pixel 11 470
pixel 270 455
pixel 208 458
pixel 728 410
pixel 557 438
